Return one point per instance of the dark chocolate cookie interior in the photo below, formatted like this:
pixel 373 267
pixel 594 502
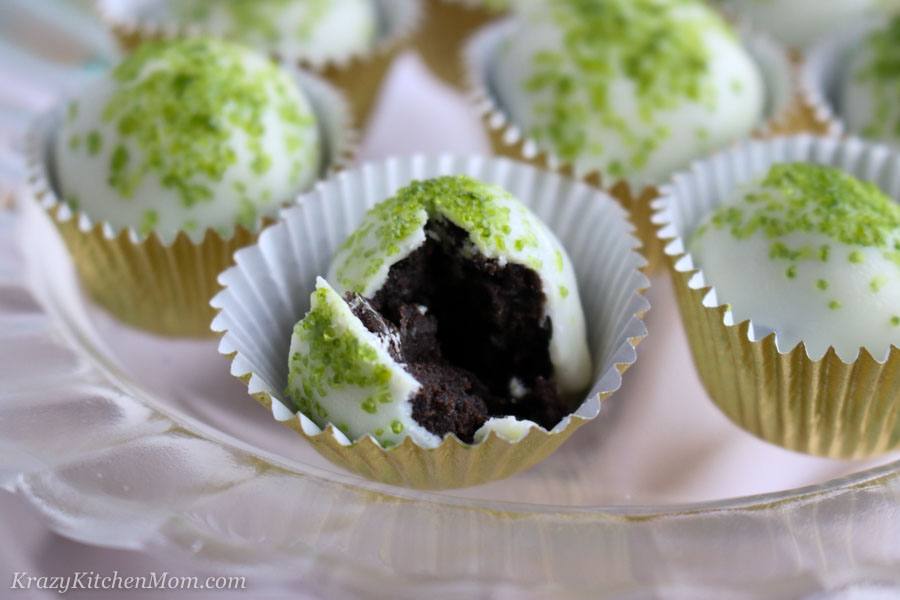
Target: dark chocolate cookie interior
pixel 472 331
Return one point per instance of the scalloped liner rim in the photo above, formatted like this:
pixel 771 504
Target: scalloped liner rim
pixel 666 227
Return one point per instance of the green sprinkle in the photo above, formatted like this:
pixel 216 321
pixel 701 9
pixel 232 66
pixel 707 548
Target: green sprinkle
pixel 72 111
pixel 247 213
pixel 856 257
pixel 149 220
pixel 834 305
pixel 616 169
pixel 382 376
pixel 559 261
pixel 563 292
pixel 893 256
pixel 822 284
pixel 879 282
pixel 781 251
pixel 261 163
pixel 94 142
pixel 791 272
pixel 379 432
pixel 397 427
pixel 895 321
pixel 118 177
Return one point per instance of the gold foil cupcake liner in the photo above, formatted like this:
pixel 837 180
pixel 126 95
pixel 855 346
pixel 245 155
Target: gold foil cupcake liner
pixel 784 115
pixel 152 283
pixel 446 26
pixel 827 407
pixel 359 77
pixel 283 265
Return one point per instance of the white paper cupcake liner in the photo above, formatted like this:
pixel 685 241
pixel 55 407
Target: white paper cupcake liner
pixel 849 409
pixel 150 19
pixel 269 289
pixel 824 69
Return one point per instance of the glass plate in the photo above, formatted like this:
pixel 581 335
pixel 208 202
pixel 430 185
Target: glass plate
pixel 122 439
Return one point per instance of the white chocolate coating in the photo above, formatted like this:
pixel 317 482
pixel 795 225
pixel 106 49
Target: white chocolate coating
pixel 847 296
pixel 193 155
pixel 341 404
pixel 620 140
pixel 869 100
pixel 314 30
